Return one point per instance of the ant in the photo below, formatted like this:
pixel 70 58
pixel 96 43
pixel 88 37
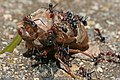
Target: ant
pixel 51 7
pixel 29 33
pixel 107 56
pixel 84 72
pixel 59 55
pixel 51 11
pixel 84 21
pixel 54 42
pixel 102 39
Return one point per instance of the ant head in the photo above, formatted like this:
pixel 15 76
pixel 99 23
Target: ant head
pixel 81 68
pixel 50 5
pixel 19 31
pixel 69 14
pixel 27 21
pixel 25 18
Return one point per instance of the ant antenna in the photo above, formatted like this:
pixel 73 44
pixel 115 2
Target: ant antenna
pixel 80 18
pixel 86 18
pixel 55 5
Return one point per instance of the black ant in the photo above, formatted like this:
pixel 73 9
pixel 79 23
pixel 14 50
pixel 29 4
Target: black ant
pixel 84 72
pixel 51 11
pixel 102 39
pixel 110 58
pixel 83 20
pixel 27 20
pixel 51 7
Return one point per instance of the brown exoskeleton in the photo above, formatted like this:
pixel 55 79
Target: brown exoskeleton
pixel 57 42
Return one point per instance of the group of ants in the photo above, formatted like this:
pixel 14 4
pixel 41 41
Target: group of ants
pixel 50 49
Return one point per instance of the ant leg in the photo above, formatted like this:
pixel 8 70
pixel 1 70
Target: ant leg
pixel 52 17
pixel 58 64
pixel 67 69
pixel 102 39
pixel 28 53
pixel 75 51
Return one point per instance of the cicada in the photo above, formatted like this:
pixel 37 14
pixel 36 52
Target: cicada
pixel 55 39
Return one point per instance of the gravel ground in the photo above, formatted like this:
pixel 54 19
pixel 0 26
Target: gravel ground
pixel 102 14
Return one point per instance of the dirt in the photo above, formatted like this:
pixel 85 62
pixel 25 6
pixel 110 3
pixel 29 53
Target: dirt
pixel 102 14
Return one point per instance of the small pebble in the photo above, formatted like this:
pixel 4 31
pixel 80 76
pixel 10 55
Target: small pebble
pixel 104 8
pixel 12 70
pixel 16 72
pixel 21 65
pixel 87 27
pixel 95 7
pixel 2 55
pixel 119 32
pixel 15 20
pixel 16 51
pixel 98 26
pixel 5 43
pixel 36 78
pixel 113 78
pixel 14 30
pixel 15 59
pixel 83 14
pixel 5 77
pixel 99 69
pixel 110 22
pixel 44 1
pixel 4 26
pixel 11 36
pixel 81 63
pixel 5 68
pixel 7 17
pixel 91 23
pixel 117 36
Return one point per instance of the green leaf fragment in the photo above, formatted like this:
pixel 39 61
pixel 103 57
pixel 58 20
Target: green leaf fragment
pixel 16 41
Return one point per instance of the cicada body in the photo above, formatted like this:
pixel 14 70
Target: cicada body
pixel 54 39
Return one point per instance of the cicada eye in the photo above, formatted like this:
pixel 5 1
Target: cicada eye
pixel 33 24
pixel 64 29
pixel 20 31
